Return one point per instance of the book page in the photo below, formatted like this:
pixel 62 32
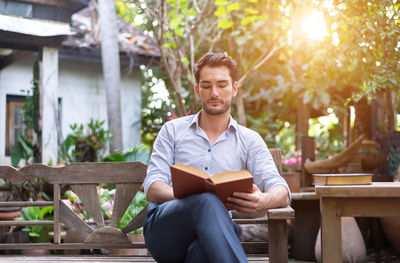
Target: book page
pixel 191 170
pixel 230 176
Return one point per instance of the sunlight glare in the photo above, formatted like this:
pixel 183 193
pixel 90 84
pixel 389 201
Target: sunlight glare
pixel 315 26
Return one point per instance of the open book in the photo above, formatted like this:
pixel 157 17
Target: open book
pixel 341 179
pixel 187 180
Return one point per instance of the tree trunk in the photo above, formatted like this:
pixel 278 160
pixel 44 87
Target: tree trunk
pixel 111 70
pixel 240 108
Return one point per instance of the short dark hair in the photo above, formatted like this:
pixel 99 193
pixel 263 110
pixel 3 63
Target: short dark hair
pixel 215 60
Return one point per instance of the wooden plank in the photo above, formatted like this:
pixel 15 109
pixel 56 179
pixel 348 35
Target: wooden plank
pixel 246 221
pixel 278 247
pixel 277 157
pixel 56 214
pixel 281 213
pixel 376 189
pixel 72 220
pixel 307 152
pixel 90 199
pixel 331 232
pixel 26 223
pixel 26 203
pixel 13 246
pixel 79 259
pixel 108 235
pixel 136 222
pixel 80 173
pixel 370 206
pixel 305 196
pixel 123 197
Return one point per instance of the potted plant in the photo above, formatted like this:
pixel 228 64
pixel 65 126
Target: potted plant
pixel 37 233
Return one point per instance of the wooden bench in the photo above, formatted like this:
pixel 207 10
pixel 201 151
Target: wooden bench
pixel 128 176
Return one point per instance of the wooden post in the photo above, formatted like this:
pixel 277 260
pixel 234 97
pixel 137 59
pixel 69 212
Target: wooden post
pixel 56 197
pixel 277 242
pixel 307 152
pixel 302 116
pixel 277 156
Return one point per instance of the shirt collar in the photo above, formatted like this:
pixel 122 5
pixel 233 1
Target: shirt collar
pixel 232 122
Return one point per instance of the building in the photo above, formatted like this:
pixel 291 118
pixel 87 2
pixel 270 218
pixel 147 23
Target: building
pixel 68 44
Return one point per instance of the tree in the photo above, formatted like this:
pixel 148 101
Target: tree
pixel 111 70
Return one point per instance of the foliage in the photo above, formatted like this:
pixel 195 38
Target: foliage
pixel 76 205
pixel 22 149
pixel 37 233
pixel 358 57
pixel 136 154
pixel 28 145
pixel 154 106
pixel 85 147
pixel 137 205
pixel 106 199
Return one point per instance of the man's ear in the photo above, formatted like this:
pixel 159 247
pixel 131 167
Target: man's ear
pixel 196 89
pixel 235 87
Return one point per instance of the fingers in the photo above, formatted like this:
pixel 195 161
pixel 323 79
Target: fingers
pixel 241 209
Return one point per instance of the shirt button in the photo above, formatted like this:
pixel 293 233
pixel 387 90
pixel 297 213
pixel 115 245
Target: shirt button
pixel 209 150
pixel 206 168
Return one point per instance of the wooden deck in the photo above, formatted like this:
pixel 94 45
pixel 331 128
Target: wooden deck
pixel 91 259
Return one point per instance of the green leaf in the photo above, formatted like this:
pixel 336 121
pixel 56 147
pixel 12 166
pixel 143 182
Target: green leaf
pixel 221 11
pixel 170 44
pixel 251 11
pixel 185 61
pixel 178 32
pixel 234 7
pixel 115 157
pixel 16 154
pixel 220 2
pixel 224 23
pixel 248 20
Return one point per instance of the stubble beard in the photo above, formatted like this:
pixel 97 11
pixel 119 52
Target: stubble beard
pixel 219 111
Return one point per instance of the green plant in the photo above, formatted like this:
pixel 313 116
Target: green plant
pixel 37 233
pixel 137 205
pixel 138 153
pixel 85 147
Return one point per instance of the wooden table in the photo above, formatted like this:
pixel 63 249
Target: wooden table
pixel 374 200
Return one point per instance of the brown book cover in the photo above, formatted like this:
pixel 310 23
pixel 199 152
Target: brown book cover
pixel 187 180
pixel 341 179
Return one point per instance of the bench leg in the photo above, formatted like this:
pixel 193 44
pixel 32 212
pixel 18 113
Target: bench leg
pixel 277 242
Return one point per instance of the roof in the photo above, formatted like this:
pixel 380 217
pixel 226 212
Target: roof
pixel 136 48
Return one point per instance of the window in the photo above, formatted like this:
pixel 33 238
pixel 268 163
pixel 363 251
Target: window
pixel 14 121
pixel 16 8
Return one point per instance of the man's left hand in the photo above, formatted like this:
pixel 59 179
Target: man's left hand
pixel 246 203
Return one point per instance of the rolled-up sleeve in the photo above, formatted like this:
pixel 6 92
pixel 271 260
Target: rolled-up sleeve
pixel 161 158
pixel 262 166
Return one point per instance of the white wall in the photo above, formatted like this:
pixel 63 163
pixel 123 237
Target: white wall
pixel 82 93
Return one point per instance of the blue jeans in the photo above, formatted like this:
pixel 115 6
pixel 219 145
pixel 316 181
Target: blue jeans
pixel 196 228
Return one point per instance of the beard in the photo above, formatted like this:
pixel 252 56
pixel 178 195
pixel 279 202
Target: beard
pixel 225 106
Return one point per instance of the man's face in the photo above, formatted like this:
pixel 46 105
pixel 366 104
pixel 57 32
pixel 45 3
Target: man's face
pixel 215 89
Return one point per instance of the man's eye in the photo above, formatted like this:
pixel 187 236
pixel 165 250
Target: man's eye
pixel 222 86
pixel 206 86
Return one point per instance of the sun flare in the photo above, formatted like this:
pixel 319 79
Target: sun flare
pixel 315 26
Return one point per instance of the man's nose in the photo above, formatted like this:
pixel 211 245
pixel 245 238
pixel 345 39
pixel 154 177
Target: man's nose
pixel 214 91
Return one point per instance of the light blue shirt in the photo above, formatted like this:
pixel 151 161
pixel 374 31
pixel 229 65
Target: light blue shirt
pixel 238 148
